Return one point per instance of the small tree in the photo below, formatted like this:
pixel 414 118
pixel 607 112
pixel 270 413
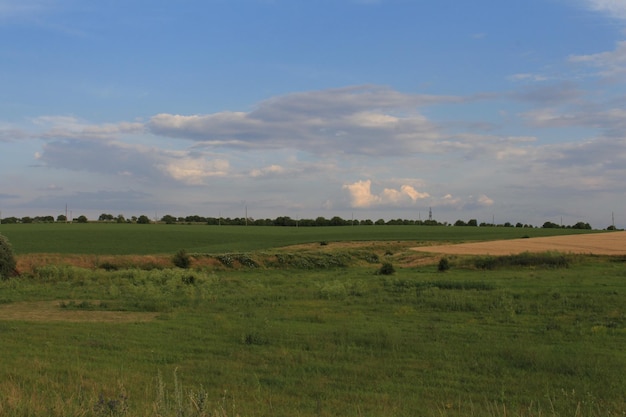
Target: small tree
pixel 143 219
pixel 7 259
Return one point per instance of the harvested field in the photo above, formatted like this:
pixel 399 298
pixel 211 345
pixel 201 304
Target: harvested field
pixel 613 243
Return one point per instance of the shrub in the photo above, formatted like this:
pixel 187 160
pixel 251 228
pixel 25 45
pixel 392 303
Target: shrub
pixel 7 259
pixel 181 259
pixel 444 265
pixel 386 269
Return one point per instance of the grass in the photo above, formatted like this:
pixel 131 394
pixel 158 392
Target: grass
pixel 316 338
pixel 138 239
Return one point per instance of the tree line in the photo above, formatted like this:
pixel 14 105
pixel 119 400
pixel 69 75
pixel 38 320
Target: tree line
pixel 278 221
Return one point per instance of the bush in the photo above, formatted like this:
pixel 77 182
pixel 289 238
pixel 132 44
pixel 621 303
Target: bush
pixel 444 265
pixel 181 259
pixel 7 259
pixel 386 269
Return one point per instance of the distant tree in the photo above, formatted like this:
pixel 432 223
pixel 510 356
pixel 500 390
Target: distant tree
pixel 518 224
pixel 472 222
pixel 81 219
pixel 168 219
pixel 284 221
pixel 143 219
pixel 611 227
pixel 61 218
pixel 379 222
pixel 10 220
pixel 321 221
pixel 508 224
pixel 550 225
pixel 460 223
pixel 27 219
pixel 104 217
pixel 43 219
pixel 7 259
pixel 582 225
pixel 337 221
pixel 120 218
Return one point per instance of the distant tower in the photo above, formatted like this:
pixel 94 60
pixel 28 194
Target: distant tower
pixel 430 214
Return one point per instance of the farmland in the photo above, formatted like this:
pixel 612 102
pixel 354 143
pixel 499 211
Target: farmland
pixel 301 322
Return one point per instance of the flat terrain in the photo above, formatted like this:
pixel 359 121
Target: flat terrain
pixel 597 244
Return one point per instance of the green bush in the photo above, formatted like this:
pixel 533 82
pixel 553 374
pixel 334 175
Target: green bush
pixel 7 259
pixel 181 259
pixel 444 265
pixel 386 269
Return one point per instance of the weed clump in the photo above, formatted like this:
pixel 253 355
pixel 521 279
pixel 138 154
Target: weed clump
pixel 7 259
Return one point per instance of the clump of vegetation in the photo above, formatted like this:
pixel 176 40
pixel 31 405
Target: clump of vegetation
pixel 182 259
pixel 7 259
pixel 387 269
pixel 526 259
pixel 443 265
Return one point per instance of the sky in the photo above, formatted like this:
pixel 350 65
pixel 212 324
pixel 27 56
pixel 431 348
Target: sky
pixel 505 111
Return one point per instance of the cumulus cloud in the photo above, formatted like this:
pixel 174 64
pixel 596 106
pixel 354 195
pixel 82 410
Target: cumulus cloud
pixel 361 195
pixel 194 170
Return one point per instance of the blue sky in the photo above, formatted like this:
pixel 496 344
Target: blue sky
pixel 489 109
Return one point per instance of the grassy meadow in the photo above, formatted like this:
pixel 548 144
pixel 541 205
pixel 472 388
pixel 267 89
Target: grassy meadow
pixel 270 330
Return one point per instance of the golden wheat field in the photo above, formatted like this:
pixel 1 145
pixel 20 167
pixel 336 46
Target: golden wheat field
pixel 613 243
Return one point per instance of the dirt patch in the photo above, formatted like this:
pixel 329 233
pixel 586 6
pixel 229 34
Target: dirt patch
pixel 613 243
pixel 52 311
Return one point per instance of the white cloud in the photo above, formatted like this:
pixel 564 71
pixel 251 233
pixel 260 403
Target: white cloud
pixel 361 195
pixel 483 200
pixel 195 170
pixel 269 171
pixel 66 127
pixel 614 8
pixel 349 120
pixel 21 8
pixel 611 64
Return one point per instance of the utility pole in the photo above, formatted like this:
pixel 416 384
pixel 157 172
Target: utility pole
pixel 612 219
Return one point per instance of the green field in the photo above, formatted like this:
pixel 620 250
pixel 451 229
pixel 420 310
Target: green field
pixel 315 332
pixel 94 238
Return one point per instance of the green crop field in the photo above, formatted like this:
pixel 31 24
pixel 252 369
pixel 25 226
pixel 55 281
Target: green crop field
pixel 320 331
pixel 94 238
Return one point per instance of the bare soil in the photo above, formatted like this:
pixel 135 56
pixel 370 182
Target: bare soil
pixel 613 243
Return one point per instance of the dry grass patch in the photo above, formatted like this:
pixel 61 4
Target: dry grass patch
pixel 52 311
pixel 30 262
